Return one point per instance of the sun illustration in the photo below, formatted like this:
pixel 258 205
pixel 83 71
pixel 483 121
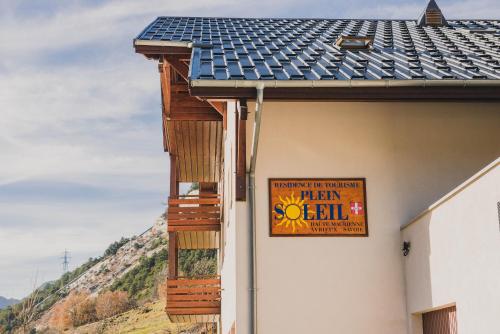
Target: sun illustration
pixel 292 213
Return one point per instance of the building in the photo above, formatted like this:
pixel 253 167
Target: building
pixel 316 143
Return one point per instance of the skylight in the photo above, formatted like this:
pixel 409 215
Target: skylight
pixel 354 42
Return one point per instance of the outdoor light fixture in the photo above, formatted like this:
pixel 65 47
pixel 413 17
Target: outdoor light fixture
pixel 406 248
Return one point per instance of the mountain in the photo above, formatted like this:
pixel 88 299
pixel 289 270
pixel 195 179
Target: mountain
pixel 131 273
pixel 4 302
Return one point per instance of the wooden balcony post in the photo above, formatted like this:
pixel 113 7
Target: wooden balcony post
pixel 174 170
pixel 173 258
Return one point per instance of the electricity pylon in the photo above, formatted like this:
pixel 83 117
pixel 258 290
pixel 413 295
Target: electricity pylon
pixel 65 262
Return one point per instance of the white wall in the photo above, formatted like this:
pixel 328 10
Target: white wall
pixel 455 256
pixel 234 272
pixel 411 154
pixel 228 242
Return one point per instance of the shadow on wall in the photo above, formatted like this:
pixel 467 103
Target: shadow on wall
pixel 418 271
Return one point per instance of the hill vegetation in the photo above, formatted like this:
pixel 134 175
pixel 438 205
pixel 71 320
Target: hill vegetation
pixel 65 305
pixel 4 302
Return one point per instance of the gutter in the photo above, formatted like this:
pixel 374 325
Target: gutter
pixel 252 326
pixel 179 44
pixel 348 83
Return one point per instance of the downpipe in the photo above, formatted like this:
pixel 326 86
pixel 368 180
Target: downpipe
pixel 252 210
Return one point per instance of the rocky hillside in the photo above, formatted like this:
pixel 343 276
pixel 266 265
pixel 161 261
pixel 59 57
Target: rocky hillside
pixel 112 267
pixel 119 292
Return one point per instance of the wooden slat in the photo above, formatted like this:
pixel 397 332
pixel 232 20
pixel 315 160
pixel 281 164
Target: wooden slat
pixel 207 212
pixel 206 151
pixel 206 238
pixel 176 311
pixel 218 159
pixel 213 149
pixel 190 153
pixel 194 149
pixel 193 209
pixel 205 296
pixel 189 239
pixel 202 195
pixel 210 297
pixel 180 201
pixel 191 290
pixel 194 228
pixel 191 304
pixel 187 210
pixel 199 150
pixel 193 215
pixel 194 222
pixel 194 281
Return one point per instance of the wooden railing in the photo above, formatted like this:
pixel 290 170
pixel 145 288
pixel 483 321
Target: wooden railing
pixel 194 213
pixel 193 296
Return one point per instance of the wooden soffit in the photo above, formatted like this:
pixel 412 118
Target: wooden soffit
pixel 198 148
pixel 192 127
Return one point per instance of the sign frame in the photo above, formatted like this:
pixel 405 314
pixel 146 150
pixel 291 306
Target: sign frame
pixel 270 207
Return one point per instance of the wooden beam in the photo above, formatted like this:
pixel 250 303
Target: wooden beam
pixel 219 106
pixel 241 153
pixel 179 66
pixel 166 87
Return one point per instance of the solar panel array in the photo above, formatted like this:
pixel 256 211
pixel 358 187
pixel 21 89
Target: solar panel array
pixel 304 49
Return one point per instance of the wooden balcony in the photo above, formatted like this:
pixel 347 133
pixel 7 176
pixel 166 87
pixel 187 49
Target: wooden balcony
pixel 194 299
pixel 196 219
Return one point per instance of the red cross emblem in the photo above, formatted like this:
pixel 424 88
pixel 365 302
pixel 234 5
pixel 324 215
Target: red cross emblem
pixel 356 208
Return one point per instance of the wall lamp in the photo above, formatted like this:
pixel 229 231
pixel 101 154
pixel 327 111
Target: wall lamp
pixel 406 248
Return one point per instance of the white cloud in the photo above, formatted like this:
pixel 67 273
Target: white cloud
pixel 77 106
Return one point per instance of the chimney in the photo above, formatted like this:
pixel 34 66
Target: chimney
pixel 432 16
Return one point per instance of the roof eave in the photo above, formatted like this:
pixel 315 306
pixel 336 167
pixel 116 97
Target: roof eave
pixel 350 83
pixel 352 90
pixel 156 48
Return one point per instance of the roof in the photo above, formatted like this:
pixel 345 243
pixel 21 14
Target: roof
pixel 304 49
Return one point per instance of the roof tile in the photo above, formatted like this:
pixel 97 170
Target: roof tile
pixel 304 49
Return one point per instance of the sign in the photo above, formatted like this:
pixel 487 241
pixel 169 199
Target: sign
pixel 318 207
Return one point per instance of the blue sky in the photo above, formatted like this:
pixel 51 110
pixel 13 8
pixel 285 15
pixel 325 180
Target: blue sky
pixel 81 158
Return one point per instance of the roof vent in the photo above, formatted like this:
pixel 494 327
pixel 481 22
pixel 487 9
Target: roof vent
pixel 432 16
pixel 354 42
